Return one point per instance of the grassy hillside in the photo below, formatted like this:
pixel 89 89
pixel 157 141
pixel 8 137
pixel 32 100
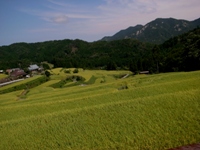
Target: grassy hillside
pixel 105 112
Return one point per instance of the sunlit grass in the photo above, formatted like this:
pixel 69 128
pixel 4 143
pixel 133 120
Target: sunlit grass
pixel 155 112
pixel 3 76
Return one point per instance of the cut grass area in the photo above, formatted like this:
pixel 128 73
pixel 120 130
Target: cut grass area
pixel 155 112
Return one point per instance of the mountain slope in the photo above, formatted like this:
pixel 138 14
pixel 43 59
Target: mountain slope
pixel 156 31
pixel 72 53
pixel 180 53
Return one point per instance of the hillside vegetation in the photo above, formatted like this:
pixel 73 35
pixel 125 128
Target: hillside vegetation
pixel 105 111
pixel 180 53
pixel 156 31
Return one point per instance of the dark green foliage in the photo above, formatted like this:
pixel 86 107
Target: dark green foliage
pixel 45 66
pixel 156 57
pixel 133 67
pixel 47 73
pixel 74 78
pixel 75 70
pixel 180 53
pixel 111 65
pixel 59 84
pixel 77 53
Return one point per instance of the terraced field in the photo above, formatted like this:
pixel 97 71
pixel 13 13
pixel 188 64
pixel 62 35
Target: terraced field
pixel 3 76
pixel 104 112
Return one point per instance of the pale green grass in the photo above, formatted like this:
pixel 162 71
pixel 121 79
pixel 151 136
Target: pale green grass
pixel 57 74
pixel 155 112
pixel 56 70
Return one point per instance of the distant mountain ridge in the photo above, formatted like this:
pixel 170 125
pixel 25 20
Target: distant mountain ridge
pixel 156 31
pixel 180 53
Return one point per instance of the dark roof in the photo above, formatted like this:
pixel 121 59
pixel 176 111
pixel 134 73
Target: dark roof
pixel 17 73
pixel 13 69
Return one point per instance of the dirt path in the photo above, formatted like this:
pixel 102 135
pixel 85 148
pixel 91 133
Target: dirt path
pixel 125 76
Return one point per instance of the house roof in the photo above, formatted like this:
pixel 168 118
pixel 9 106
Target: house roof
pixel 13 69
pixel 144 72
pixel 33 67
pixel 17 73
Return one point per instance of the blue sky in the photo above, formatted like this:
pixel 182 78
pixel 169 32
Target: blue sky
pixel 90 20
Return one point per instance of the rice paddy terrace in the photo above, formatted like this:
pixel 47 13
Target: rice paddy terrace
pixel 103 111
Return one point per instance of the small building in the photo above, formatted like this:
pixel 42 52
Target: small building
pixel 33 67
pixel 144 72
pixel 11 70
pixel 17 73
pixel 1 71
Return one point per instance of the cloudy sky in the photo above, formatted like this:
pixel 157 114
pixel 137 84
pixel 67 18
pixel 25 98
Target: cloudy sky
pixel 89 20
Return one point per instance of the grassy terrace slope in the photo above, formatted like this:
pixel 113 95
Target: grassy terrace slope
pixel 155 112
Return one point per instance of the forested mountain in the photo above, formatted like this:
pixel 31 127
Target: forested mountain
pixel 156 31
pixel 181 53
pixel 73 53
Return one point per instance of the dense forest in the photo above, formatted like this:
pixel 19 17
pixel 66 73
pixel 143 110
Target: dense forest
pixel 181 53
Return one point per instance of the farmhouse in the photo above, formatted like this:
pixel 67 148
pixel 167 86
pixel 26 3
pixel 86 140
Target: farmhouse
pixel 33 68
pixel 8 71
pixel 17 73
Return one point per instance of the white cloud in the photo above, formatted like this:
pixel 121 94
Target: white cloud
pixel 113 15
pixel 57 18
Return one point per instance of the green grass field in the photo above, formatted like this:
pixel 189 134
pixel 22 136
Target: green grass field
pixel 153 112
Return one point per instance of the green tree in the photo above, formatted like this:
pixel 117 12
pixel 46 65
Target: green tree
pixel 156 56
pixel 45 66
pixel 75 70
pixel 111 66
pixel 133 67
pixel 47 73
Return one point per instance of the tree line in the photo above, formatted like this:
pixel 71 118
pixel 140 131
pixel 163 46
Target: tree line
pixel 181 53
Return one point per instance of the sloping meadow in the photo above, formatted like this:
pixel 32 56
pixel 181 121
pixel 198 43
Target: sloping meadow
pixel 153 112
